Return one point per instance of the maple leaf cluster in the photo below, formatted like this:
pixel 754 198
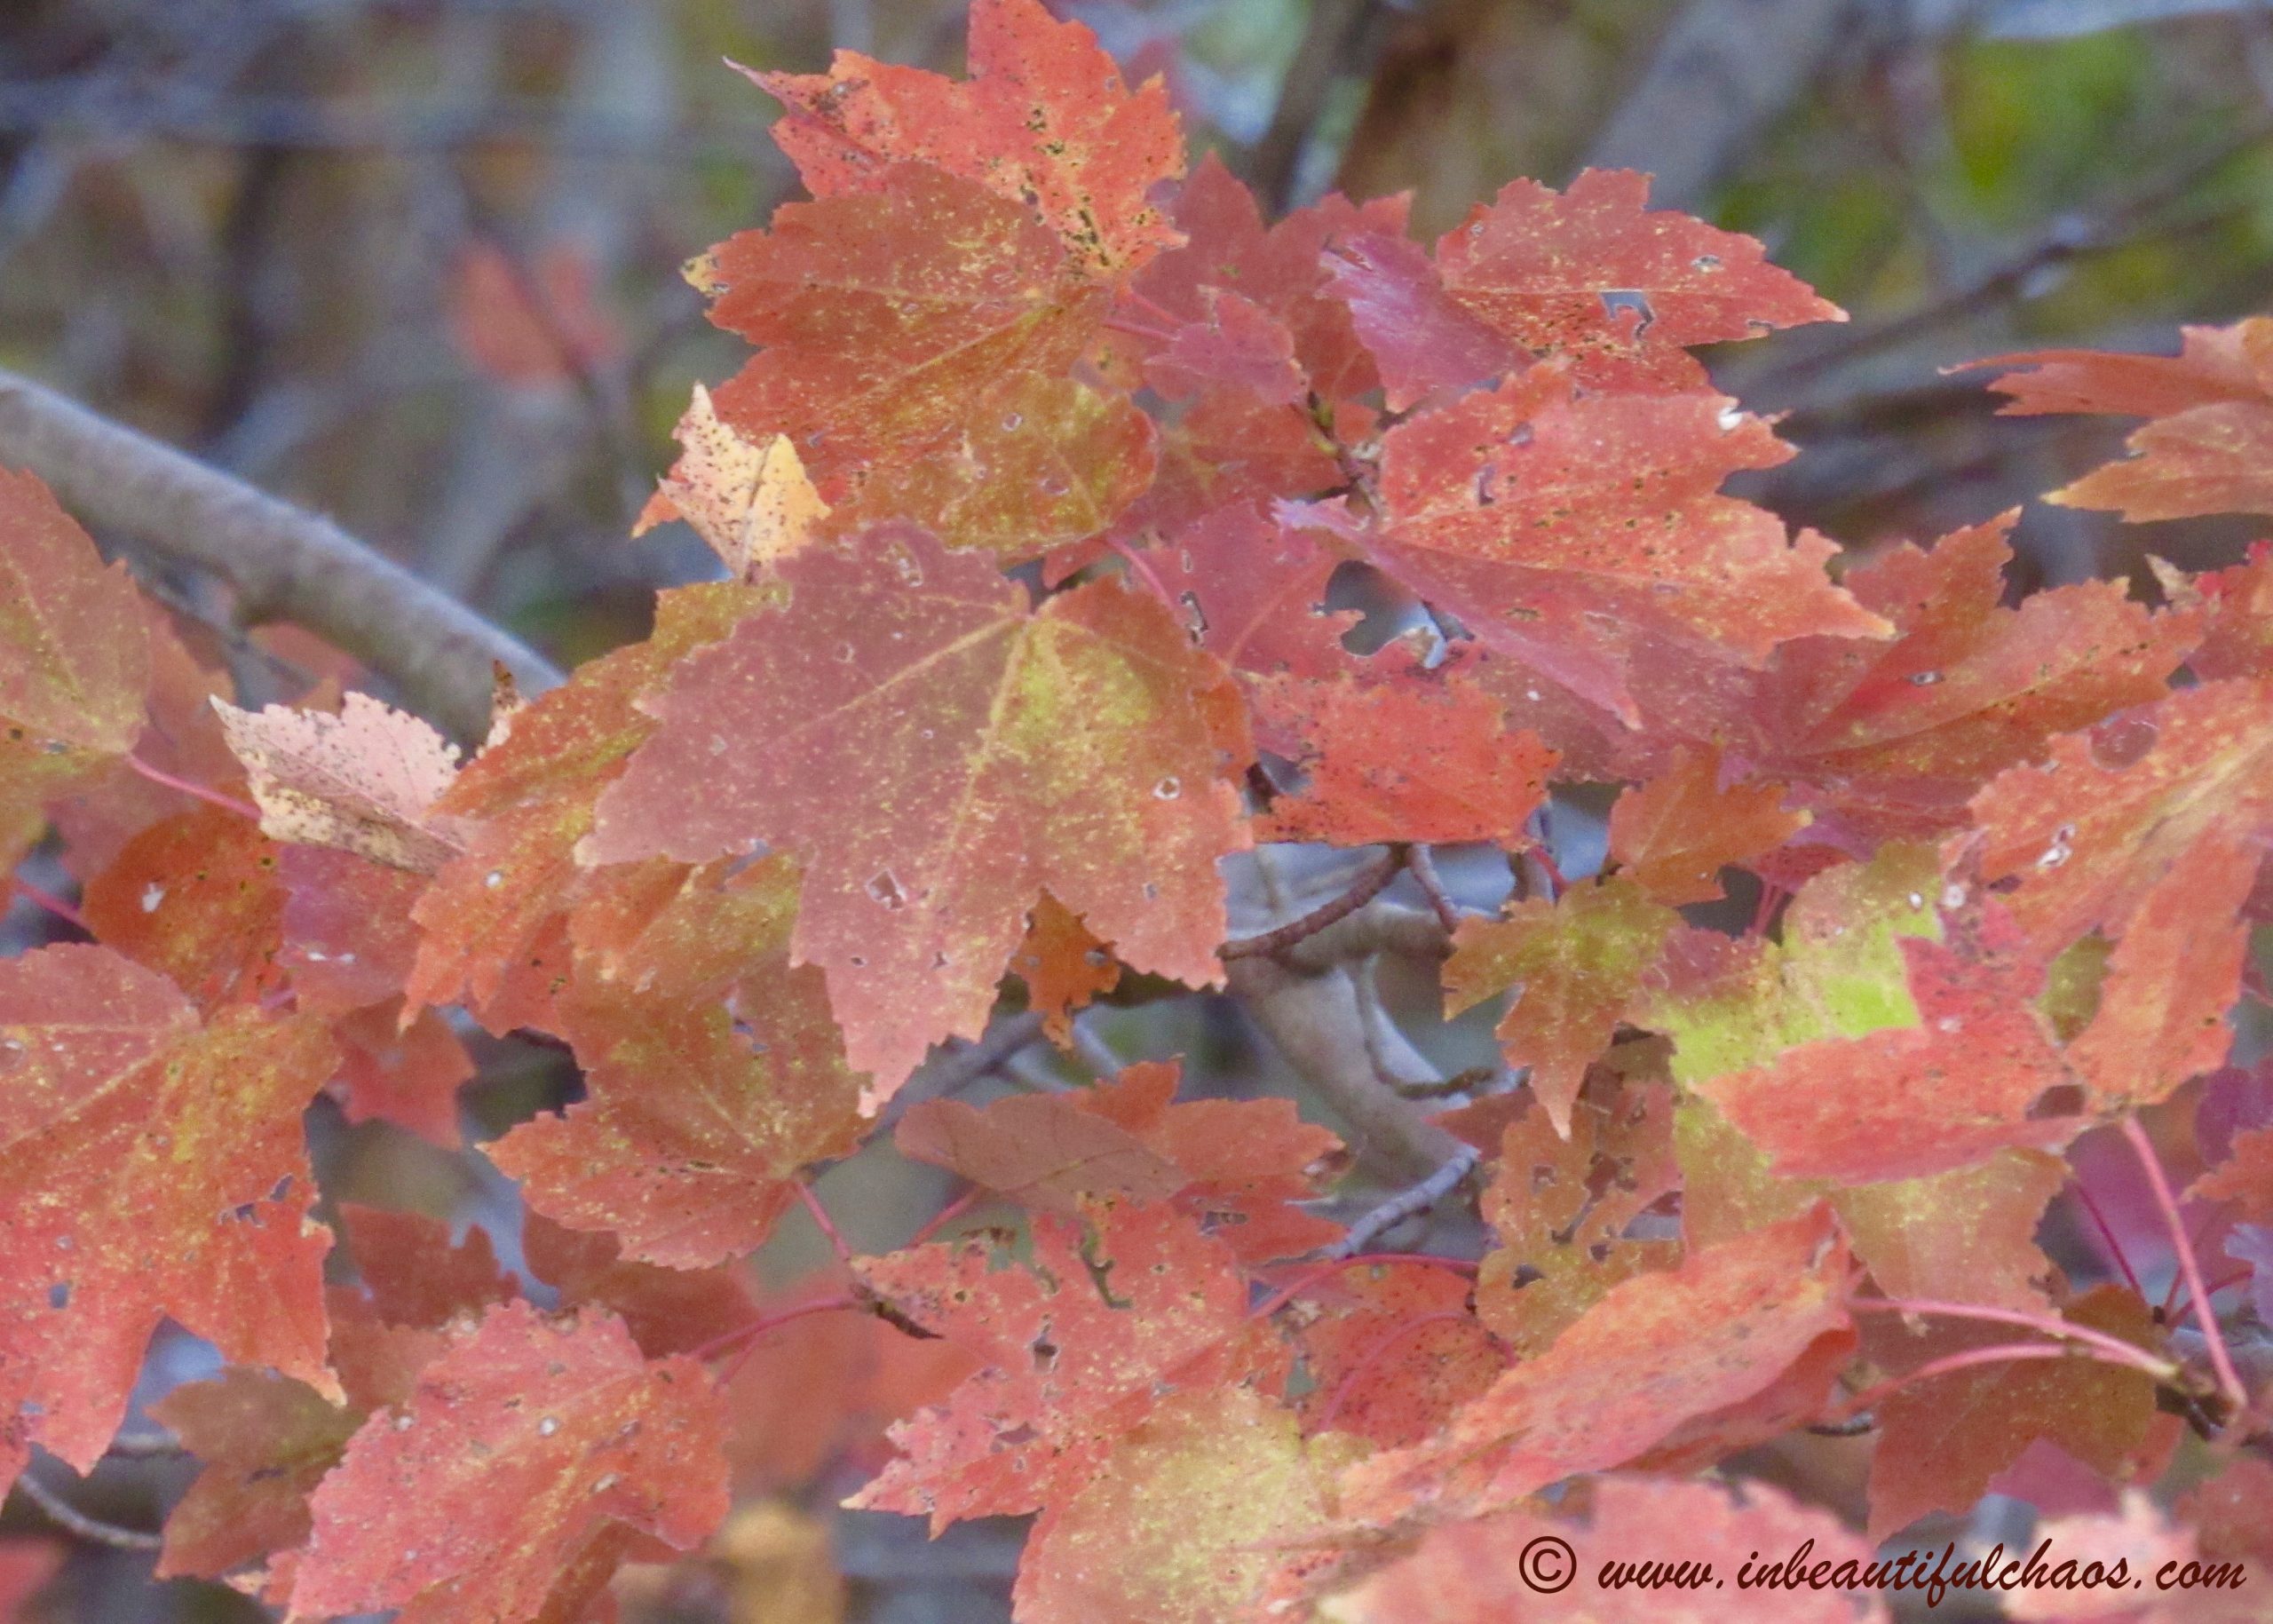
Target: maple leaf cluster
pixel 1037 503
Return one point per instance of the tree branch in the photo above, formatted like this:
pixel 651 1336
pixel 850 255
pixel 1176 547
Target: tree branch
pixel 71 1520
pixel 284 563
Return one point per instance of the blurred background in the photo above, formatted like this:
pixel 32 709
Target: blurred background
pixel 415 262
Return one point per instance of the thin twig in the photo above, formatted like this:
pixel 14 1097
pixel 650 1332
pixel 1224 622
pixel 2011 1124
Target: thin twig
pixel 2114 1247
pixel 52 903
pixel 1371 884
pixel 945 1215
pixel 1414 1199
pixel 1423 869
pixel 71 1520
pixel 283 563
pixel 822 1220
pixel 211 797
pixel 2112 1347
pixel 2213 1339
pixel 2071 236
pixel 2002 1353
pixel 963 1065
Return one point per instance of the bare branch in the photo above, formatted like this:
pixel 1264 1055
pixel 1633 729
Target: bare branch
pixel 1424 875
pixel 1723 71
pixel 1416 1198
pixel 71 1520
pixel 284 563
pixel 144 1445
pixel 1371 884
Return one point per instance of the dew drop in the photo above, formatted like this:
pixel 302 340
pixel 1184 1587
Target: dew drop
pixel 1011 423
pixel 717 744
pixel 153 894
pixel 1924 679
pixel 2060 850
pixel 1707 262
pixel 844 654
pixel 608 1481
pixel 885 889
pixel 1477 230
pixel 1730 417
pixel 1950 1023
pixel 1531 695
pixel 494 878
pixel 1054 485
pixel 402 1423
pixel 1954 894
pixel 547 1427
pixel 1167 789
pixel 1917 902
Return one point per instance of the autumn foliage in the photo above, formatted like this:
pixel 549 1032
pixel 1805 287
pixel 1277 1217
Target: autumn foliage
pixel 1062 505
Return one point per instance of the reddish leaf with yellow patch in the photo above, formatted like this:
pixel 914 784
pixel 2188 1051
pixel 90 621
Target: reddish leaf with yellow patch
pixel 526 801
pixel 1399 756
pixel 1073 1349
pixel 1044 120
pixel 1186 1521
pixel 265 1441
pixel 1562 527
pixel 1661 1355
pixel 1674 833
pixel 1592 274
pixel 1392 1350
pixel 890 321
pixel 198 898
pixel 1038 464
pixel 1942 1439
pixel 700 1110
pixel 1578 960
pixel 2178 797
pixel 1083 749
pixel 1565 1210
pixel 2237 608
pixel 713 1072
pixel 534 1455
pixel 1967 1080
pixel 154 1167
pixel 75 658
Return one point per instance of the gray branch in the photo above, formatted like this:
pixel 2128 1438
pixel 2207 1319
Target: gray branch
pixel 284 563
